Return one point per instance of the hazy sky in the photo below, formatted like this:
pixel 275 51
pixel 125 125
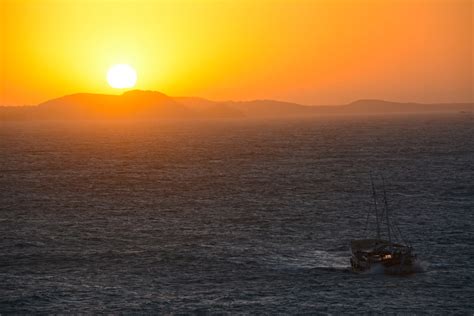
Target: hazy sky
pixel 313 51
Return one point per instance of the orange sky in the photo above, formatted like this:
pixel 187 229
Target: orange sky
pixel 308 51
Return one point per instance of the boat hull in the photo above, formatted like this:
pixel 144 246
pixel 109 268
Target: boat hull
pixel 392 267
pixel 382 255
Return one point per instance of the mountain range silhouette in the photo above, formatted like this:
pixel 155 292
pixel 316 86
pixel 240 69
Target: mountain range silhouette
pixel 138 104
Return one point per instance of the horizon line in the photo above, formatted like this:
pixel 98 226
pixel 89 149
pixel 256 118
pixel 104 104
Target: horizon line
pixel 244 100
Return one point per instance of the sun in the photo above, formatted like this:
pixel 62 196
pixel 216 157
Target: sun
pixel 121 76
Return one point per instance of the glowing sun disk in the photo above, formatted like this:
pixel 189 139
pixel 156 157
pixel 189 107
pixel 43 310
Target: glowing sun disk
pixel 121 76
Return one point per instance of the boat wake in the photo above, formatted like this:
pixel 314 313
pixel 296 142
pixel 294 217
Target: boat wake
pixel 420 266
pixel 317 259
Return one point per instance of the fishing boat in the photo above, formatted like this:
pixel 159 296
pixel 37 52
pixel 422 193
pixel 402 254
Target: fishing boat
pixel 390 253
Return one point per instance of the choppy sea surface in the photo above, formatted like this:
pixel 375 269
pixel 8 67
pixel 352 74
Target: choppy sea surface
pixel 232 216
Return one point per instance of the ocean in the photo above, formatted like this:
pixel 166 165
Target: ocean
pixel 232 216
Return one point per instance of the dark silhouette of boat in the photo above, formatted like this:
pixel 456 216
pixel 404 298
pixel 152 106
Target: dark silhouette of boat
pixel 393 254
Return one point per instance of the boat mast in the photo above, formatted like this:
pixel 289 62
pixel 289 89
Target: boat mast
pixel 374 195
pixel 386 209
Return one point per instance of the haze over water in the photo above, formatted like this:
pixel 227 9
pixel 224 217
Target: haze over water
pixel 231 215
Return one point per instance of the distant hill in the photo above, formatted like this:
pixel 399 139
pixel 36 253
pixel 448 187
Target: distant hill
pixel 380 107
pixel 271 108
pixel 131 104
pixel 156 105
pixel 209 109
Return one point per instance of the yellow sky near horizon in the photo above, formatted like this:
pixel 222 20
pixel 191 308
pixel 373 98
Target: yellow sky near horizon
pixel 306 51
